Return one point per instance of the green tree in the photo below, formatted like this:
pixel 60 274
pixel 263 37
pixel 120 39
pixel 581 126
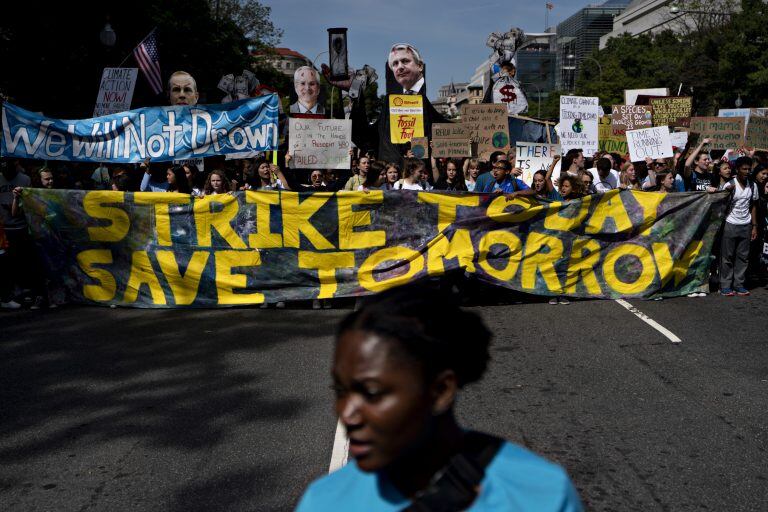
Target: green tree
pixel 53 59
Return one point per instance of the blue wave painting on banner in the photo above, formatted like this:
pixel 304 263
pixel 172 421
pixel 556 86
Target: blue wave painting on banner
pixel 159 133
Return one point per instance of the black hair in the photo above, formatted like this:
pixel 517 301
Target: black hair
pixel 603 164
pixel 569 157
pixel 182 184
pixel 430 327
pixel 122 182
pixel 506 164
pixel 495 155
pixel 742 160
pixel 617 160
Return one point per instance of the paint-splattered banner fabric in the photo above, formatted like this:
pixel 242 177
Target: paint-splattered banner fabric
pixel 148 249
pixel 159 133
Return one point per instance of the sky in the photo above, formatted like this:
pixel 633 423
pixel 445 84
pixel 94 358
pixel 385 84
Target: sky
pixel 449 34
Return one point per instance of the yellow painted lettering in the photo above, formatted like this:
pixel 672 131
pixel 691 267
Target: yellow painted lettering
pixel 585 257
pixel 650 202
pixel 669 267
pixel 441 248
pixel 497 210
pixel 263 238
pixel 609 207
pixel 143 273
pixel 106 285
pixel 538 260
pixel 227 282
pixel 184 287
pixel 512 253
pixel 349 219
pixel 402 255
pixel 326 264
pixel 93 204
pixel 296 215
pixel 446 206
pixel 555 221
pixel 629 252
pixel 221 221
pixel 162 215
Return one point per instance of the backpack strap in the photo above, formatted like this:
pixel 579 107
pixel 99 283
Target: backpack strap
pixel 458 484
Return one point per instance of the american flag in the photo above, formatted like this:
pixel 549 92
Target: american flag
pixel 149 61
pixel 550 6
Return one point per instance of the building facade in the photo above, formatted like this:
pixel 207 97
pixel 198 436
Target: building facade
pixel 579 35
pixel 285 60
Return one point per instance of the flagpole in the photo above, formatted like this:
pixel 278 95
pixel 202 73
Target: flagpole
pixel 131 52
pixel 546 16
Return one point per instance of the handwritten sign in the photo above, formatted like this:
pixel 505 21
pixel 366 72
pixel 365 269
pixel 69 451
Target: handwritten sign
pixel 630 117
pixel 649 143
pixel 532 157
pixel 487 125
pixel 609 142
pixel 679 139
pixel 757 133
pixel 116 91
pixel 406 117
pixel 671 110
pixel 420 147
pixel 320 143
pixel 578 123
pixel 722 132
pixel 450 140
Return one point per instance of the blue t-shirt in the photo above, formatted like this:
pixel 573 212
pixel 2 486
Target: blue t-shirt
pixel 507 186
pixel 516 479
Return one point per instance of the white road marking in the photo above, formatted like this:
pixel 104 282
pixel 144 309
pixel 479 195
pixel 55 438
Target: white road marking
pixel 650 321
pixel 340 448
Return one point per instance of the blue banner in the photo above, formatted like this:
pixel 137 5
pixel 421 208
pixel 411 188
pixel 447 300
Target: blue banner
pixel 160 133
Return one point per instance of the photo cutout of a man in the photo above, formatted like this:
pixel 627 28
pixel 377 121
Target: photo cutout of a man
pixel 306 82
pixel 406 67
pixel 182 89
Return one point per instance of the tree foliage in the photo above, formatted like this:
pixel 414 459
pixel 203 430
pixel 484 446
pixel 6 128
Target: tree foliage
pixel 53 58
pixel 714 65
pixel 252 18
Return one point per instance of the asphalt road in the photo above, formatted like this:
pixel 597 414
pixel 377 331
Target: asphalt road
pixel 141 410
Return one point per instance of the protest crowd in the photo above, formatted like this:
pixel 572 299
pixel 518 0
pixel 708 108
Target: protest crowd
pixel 379 162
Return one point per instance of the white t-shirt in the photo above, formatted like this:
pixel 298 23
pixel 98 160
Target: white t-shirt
pixel 604 185
pixel 741 201
pixel 401 185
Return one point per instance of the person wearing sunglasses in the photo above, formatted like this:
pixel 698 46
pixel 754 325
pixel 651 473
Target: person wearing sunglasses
pixel 661 166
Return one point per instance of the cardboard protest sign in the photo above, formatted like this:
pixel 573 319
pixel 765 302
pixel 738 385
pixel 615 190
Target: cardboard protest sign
pixel 757 133
pixel 320 143
pixel 722 132
pixel 450 140
pixel 533 156
pixel 115 91
pixel 406 117
pixel 609 142
pixel 649 143
pixel 578 123
pixel 630 95
pixel 678 139
pixel 630 117
pixel 420 147
pixel 487 125
pixel 160 133
pixel 671 110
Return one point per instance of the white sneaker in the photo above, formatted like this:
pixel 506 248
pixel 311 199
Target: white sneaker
pixel 316 304
pixel 280 305
pixel 11 304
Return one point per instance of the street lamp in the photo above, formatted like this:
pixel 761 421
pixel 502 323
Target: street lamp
pixel 538 96
pixel 107 36
pixel 599 66
pixel 738 102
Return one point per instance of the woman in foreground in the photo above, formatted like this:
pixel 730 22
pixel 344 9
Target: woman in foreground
pixel 398 366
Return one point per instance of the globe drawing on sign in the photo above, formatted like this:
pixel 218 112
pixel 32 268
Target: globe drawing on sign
pixel 500 140
pixel 577 126
pixel 418 151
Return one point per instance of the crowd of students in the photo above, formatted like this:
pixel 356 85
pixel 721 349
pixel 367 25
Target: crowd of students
pixel 740 248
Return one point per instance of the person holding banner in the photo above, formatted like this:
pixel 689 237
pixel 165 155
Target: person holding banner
pixel 604 177
pixel 628 177
pixel 450 180
pixel 217 183
pixel 399 365
pixel 357 179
